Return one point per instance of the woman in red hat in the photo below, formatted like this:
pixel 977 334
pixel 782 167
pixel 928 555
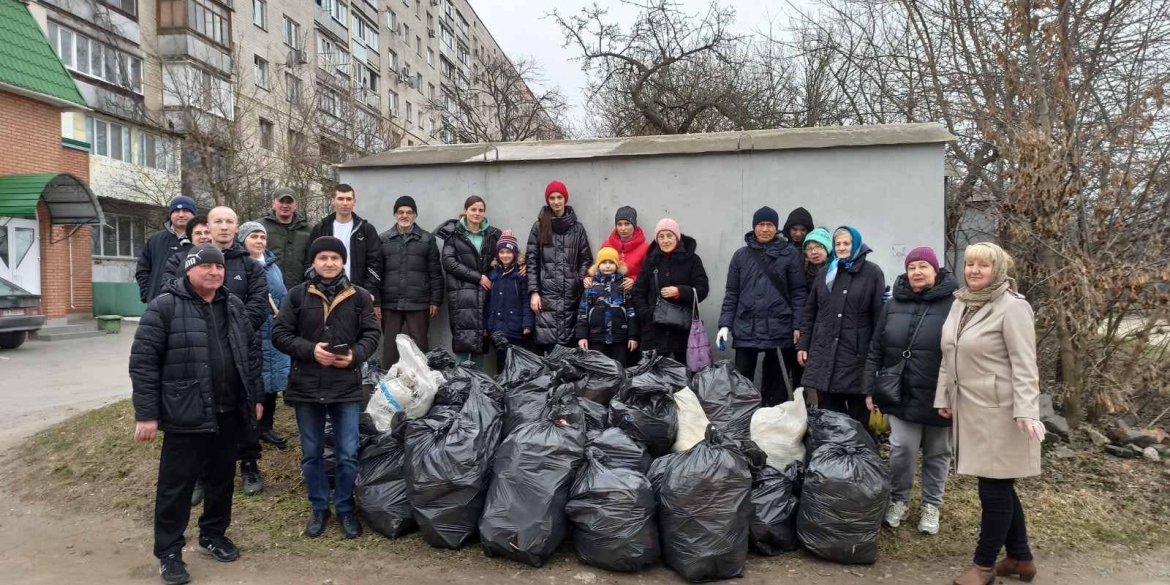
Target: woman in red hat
pixel 558 259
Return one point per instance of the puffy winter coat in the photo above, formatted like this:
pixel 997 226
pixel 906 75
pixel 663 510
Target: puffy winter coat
pixel 290 243
pixel 152 263
pixel 466 299
pixel 682 268
pixel 556 271
pixel 412 278
pixel 838 326
pixel 759 315
pixel 306 318
pixel 174 265
pixel 899 318
pixel 365 253
pixel 632 252
pixel 605 315
pixel 508 309
pixel 245 278
pixel 276 363
pixel 171 368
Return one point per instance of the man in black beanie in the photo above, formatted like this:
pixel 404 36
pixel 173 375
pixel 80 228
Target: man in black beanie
pixel 327 325
pixel 363 265
pixel 799 224
pixel 412 280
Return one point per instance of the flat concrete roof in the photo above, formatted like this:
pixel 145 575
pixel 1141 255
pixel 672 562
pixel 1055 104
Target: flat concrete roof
pixel 667 145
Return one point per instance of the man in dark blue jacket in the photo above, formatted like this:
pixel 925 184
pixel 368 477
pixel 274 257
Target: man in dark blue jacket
pixel 161 246
pixel 195 370
pixel 762 304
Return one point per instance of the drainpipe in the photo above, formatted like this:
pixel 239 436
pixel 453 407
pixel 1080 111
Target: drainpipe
pixel 70 242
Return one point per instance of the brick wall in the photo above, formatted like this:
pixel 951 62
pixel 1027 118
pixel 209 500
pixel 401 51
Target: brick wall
pixel 30 142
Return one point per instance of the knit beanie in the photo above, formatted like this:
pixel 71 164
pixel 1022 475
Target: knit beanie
pixel 609 254
pixel 556 187
pixel 508 241
pixel 923 254
pixel 668 225
pixel 327 244
pixel 202 254
pixel 763 214
pixel 405 201
pixel 799 216
pixel 822 237
pixel 248 228
pixel 626 213
pixel 182 202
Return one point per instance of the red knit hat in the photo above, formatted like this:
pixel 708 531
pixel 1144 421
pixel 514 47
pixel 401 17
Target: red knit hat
pixel 556 187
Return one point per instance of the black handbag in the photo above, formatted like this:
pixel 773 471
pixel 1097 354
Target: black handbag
pixel 887 385
pixel 668 314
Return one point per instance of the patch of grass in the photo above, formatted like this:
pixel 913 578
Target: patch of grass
pixel 91 464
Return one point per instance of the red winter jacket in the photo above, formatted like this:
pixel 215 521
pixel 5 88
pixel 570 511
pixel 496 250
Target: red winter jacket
pixel 632 252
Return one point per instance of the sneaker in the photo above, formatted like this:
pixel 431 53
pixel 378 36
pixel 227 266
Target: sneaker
pixel 273 438
pixel 896 513
pixel 220 548
pixel 929 522
pixel 316 525
pixel 173 570
pixel 253 483
pixel 197 493
pixel 350 525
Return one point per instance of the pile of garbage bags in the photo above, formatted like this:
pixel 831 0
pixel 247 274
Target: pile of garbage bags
pixel 632 466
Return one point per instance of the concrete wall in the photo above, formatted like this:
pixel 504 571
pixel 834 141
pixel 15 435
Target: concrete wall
pixel 893 195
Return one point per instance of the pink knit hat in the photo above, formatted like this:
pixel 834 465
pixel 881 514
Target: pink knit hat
pixel 668 225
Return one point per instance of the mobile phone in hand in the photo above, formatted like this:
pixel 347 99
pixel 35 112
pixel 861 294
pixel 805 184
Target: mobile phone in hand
pixel 339 348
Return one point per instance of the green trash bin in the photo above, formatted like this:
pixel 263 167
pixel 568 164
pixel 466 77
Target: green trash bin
pixel 109 323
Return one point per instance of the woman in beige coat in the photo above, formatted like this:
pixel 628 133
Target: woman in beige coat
pixel 989 386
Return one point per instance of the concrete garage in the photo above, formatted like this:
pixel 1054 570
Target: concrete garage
pixel 886 180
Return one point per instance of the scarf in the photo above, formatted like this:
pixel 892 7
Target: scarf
pixel 330 288
pixel 1000 282
pixel 835 263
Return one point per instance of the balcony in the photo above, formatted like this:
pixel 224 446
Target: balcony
pixel 196 29
pixel 178 45
pixel 368 97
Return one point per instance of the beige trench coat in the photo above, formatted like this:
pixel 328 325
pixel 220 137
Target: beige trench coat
pixel 989 378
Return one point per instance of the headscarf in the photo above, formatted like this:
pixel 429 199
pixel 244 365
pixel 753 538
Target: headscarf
pixel 835 262
pixel 1000 281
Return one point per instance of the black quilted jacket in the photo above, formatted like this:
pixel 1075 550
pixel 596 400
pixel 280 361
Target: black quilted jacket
pixel 556 272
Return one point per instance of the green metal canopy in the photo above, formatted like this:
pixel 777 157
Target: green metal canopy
pixel 68 198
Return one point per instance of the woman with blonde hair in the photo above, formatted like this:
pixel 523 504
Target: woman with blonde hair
pixel 988 385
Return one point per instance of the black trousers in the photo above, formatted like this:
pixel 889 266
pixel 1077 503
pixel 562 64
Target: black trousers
pixel 184 458
pixel 795 372
pixel 412 323
pixel 269 411
pixel 619 352
pixel 772 388
pixel 1002 525
pixel 849 404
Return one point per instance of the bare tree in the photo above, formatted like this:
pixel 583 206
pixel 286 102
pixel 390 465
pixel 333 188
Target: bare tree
pixel 499 104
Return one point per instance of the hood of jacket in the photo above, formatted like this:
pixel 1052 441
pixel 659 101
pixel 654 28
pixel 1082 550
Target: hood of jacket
pixel 944 286
pixel 615 241
pixel 687 245
pixel 299 221
pixel 779 245
pixel 799 216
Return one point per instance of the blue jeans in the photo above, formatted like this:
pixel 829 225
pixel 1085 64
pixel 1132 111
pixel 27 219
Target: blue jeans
pixel 311 424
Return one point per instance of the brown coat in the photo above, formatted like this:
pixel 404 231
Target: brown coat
pixel 988 378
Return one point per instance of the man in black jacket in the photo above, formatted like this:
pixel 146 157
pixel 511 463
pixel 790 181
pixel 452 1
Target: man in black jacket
pixel 198 232
pixel 327 325
pixel 364 264
pixel 412 280
pixel 160 247
pixel 195 370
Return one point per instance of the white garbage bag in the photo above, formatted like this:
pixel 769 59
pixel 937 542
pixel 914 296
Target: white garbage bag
pixel 692 421
pixel 779 431
pixel 407 391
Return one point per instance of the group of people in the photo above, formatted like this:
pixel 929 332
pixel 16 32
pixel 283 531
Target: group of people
pixel 237 314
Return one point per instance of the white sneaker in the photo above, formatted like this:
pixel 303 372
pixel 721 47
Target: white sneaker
pixel 929 522
pixel 896 513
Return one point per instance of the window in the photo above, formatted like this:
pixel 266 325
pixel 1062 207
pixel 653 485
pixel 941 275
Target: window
pixel 337 9
pixel 292 33
pixel 393 103
pixel 108 139
pixel 418 45
pixel 210 20
pixel 446 36
pixel 409 113
pixel 391 21
pixel 420 118
pixel 296 140
pixel 329 101
pixel 418 8
pixel 261 71
pixel 431 91
pixel 430 57
pixel 333 56
pixel 267 130
pixel 366 77
pixel 446 68
pixel 292 87
pixel 393 61
pixel 418 82
pixel 461 22
pixel 447 10
pixel 464 56
pixel 155 152
pixel 430 21
pixel 120 236
pixel 127 6
pixel 406 34
pixel 365 31
pixel 260 14
pixel 95 60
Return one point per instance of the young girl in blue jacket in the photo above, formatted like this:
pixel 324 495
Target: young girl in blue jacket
pixel 508 313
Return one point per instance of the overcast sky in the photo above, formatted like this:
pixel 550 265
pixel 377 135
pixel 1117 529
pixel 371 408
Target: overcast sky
pixel 523 29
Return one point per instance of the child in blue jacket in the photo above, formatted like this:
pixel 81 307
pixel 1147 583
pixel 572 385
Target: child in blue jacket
pixel 508 312
pixel 606 320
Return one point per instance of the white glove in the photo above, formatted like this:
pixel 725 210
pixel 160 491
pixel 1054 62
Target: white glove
pixel 1032 428
pixel 721 338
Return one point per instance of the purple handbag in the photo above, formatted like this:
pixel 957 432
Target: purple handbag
pixel 698 346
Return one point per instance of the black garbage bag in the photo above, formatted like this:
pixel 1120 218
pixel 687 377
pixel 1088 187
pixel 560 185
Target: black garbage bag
pixel 612 510
pixel 366 435
pixel 603 377
pixel 775 500
pixel 380 488
pixel 648 414
pixel 620 449
pixel 704 508
pixel 449 457
pixel 826 427
pixel 461 380
pixel 521 366
pixel 658 370
pixel 524 518
pixel 596 415
pixel 728 398
pixel 845 491
pixel 525 401
pixel 440 359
